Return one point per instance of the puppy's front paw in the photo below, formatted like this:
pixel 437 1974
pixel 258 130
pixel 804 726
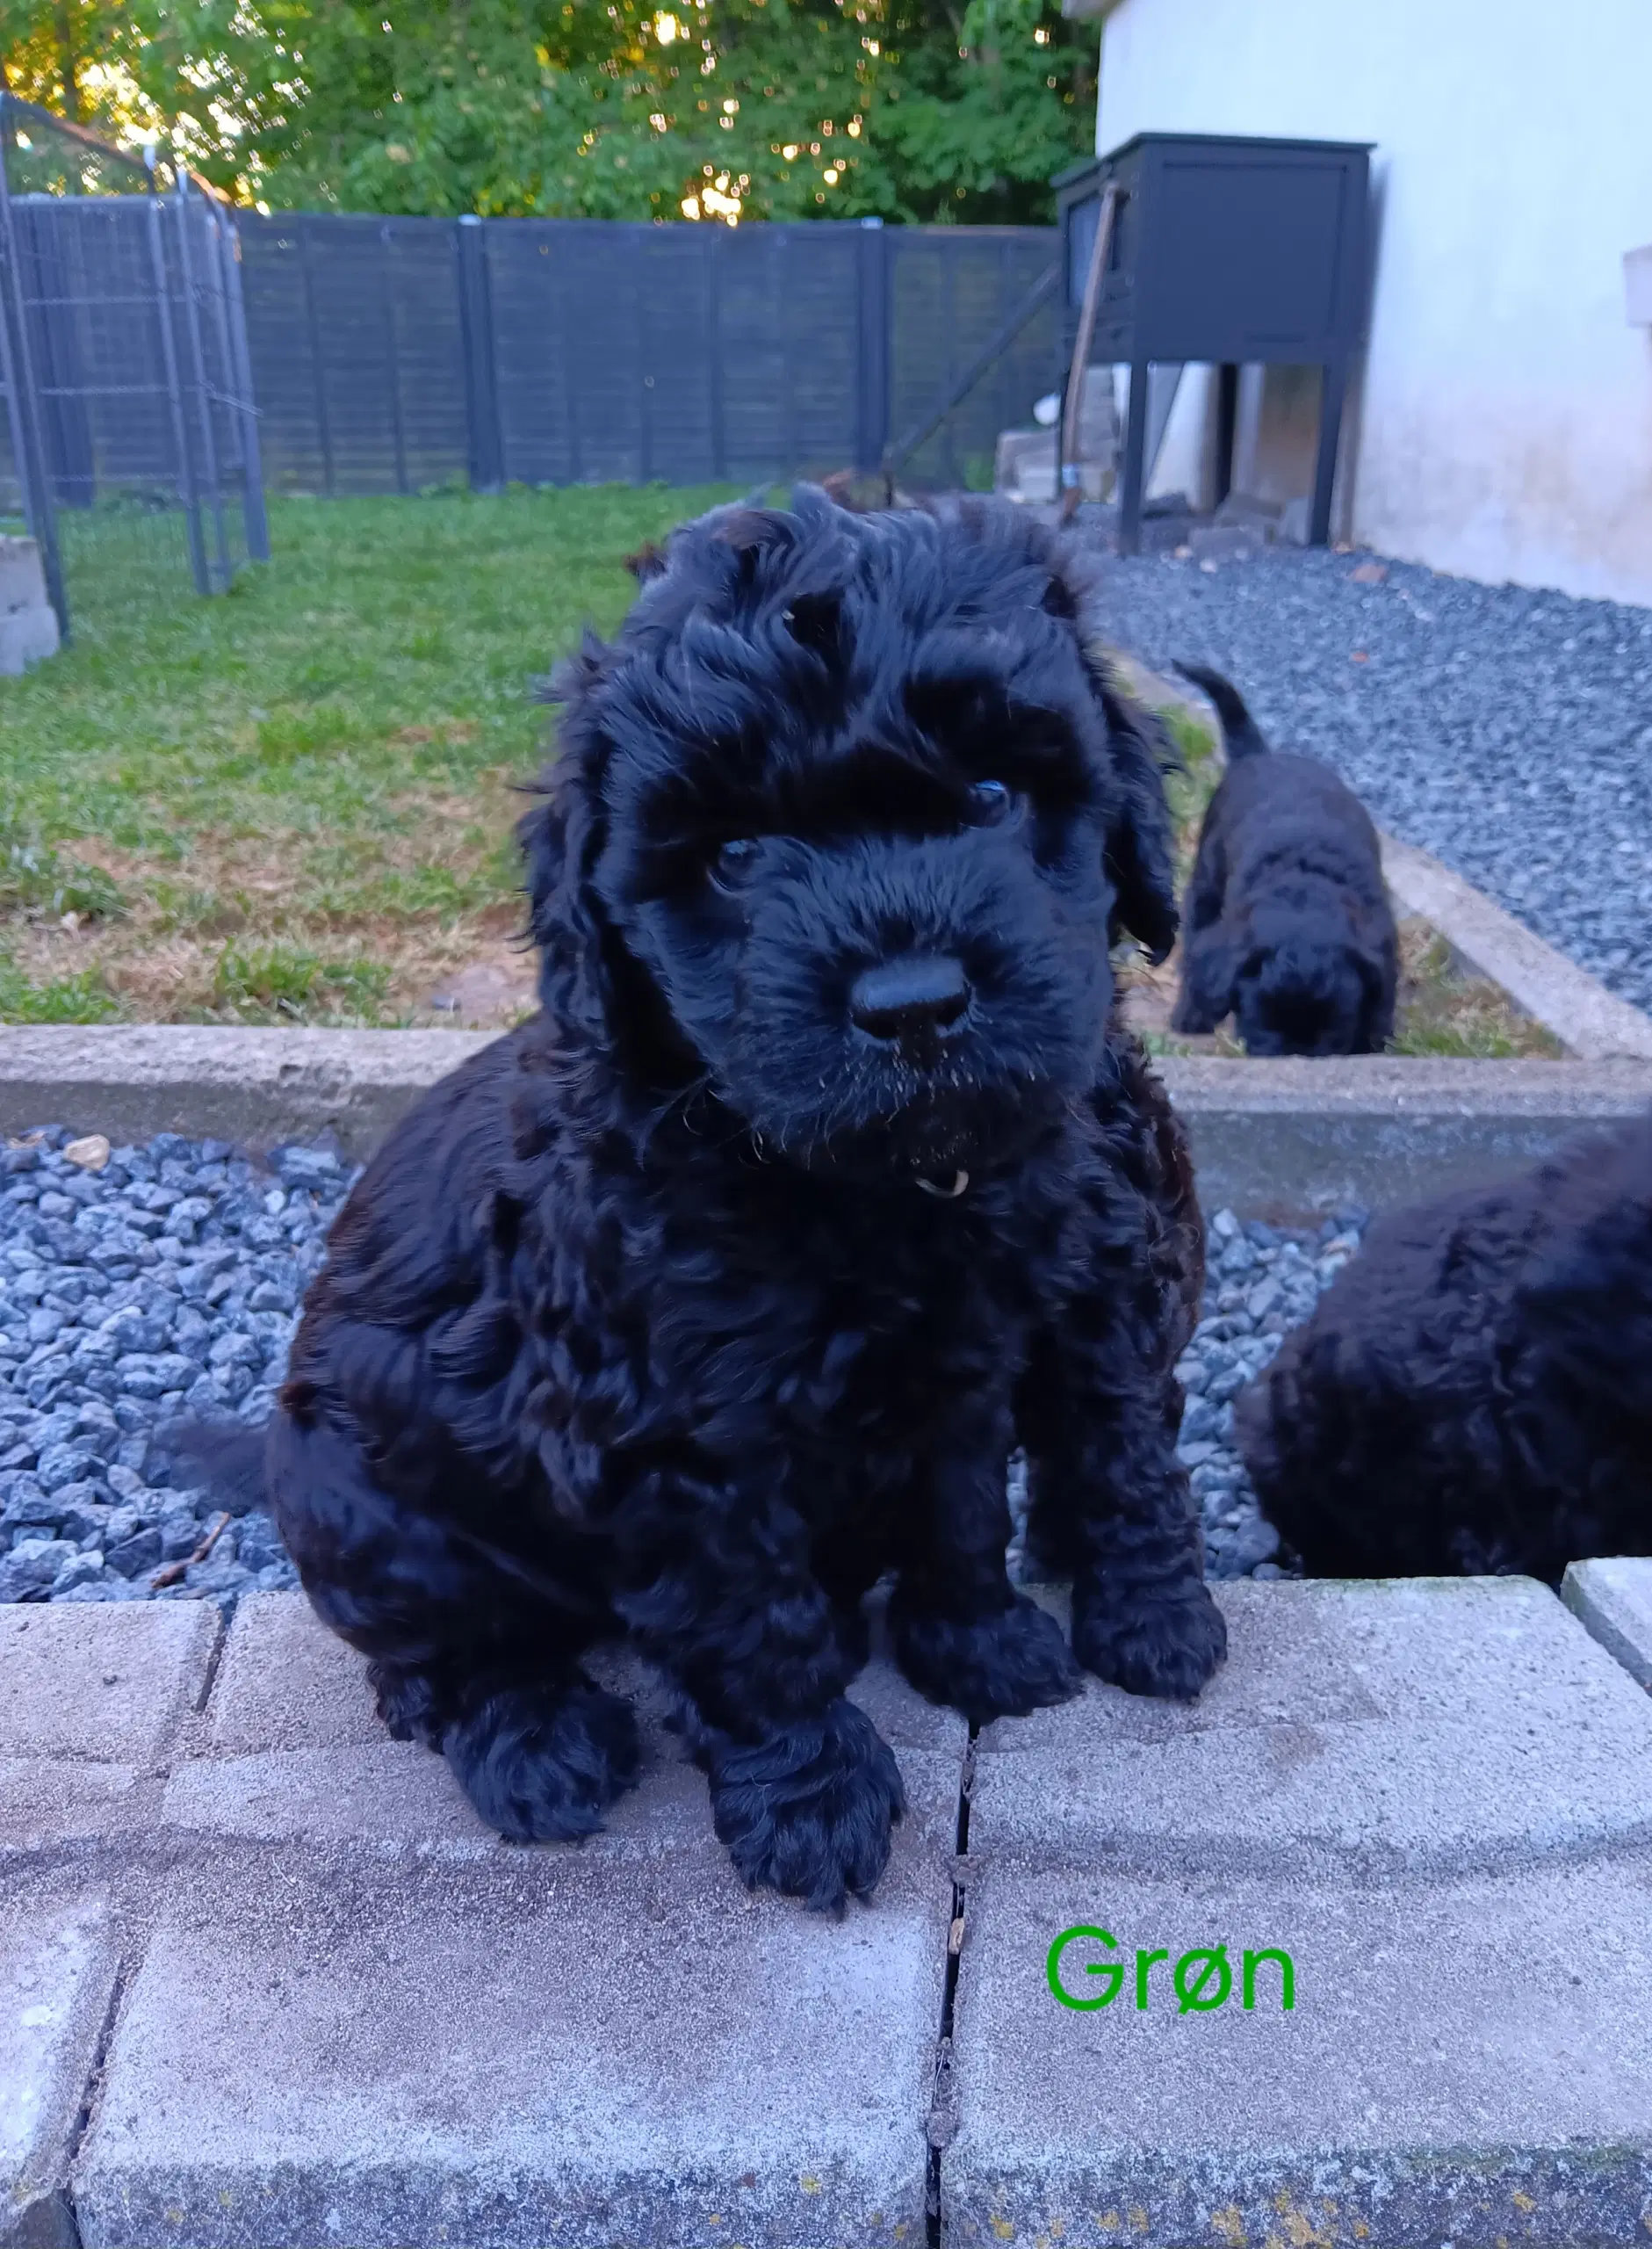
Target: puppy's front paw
pixel 541 1760
pixel 810 1811
pixel 1004 1667
pixel 1160 1641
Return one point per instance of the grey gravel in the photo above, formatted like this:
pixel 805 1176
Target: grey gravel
pixel 167 1282
pixel 1508 732
pixel 110 1328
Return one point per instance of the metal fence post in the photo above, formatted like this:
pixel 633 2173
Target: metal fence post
pixel 188 497
pixel 17 372
pixel 253 515
pixel 476 336
pixel 198 359
pixel 872 348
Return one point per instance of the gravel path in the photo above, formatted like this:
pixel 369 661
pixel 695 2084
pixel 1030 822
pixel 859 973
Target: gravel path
pixel 167 1279
pixel 1508 732
pixel 140 1283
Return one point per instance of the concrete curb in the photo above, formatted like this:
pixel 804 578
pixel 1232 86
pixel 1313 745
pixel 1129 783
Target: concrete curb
pixel 1588 1020
pixel 1271 1138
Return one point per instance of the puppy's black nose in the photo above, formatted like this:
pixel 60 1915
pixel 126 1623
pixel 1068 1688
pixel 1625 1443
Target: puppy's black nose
pixel 915 999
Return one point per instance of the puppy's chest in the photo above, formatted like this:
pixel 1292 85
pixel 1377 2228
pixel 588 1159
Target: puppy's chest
pixel 857 1333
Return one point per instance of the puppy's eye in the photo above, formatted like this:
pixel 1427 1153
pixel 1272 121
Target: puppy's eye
pixel 732 860
pixel 992 803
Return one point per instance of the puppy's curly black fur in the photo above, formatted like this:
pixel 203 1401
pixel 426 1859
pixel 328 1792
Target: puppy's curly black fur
pixel 1473 1392
pixel 1288 926
pixel 728 1284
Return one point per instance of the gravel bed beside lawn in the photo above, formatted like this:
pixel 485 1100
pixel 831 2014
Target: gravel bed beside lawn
pixel 1507 731
pixel 140 1283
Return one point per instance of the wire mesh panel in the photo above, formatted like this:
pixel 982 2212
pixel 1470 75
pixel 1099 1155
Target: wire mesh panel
pixel 390 355
pixel 132 451
pixel 952 289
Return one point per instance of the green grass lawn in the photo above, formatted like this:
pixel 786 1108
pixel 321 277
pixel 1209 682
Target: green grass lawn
pixel 294 803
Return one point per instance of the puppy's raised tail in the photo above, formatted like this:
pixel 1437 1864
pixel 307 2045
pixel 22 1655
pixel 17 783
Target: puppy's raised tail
pixel 1241 736
pixel 228 1457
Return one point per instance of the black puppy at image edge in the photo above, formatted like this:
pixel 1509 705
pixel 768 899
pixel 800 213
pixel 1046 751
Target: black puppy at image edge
pixel 1473 1392
pixel 824 1178
pixel 1287 926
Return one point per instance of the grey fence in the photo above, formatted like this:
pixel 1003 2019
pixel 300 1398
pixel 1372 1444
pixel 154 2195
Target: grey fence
pixel 128 441
pixel 391 354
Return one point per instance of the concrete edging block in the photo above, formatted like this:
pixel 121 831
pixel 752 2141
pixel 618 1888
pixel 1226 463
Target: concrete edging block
pixel 1281 1138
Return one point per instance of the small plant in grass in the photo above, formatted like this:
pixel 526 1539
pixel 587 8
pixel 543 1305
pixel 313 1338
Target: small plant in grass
pixel 37 880
pixel 285 983
pixel 80 998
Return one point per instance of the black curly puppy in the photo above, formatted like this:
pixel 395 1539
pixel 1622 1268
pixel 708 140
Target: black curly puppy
pixel 729 1284
pixel 1288 925
pixel 1473 1392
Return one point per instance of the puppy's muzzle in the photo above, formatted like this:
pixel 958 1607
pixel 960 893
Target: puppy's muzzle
pixel 912 1004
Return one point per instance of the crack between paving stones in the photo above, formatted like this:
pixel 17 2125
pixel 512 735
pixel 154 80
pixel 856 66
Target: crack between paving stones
pixel 943 2120
pixel 93 2087
pixel 215 1656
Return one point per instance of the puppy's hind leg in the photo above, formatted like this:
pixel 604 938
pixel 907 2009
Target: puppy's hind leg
pixel 463 1654
pixel 541 1759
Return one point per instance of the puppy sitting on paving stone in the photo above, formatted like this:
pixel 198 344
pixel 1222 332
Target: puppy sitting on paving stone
pixel 1288 925
pixel 824 1180
pixel 1473 1392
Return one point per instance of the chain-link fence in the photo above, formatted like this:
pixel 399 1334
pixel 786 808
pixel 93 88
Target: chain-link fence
pixel 129 443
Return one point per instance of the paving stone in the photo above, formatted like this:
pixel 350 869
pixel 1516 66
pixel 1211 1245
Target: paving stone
pixel 549 2048
pixel 110 1684
pixel 1468 2063
pixel 58 1966
pixel 286 1682
pixel 1429 1724
pixel 1437 1798
pixel 1613 1600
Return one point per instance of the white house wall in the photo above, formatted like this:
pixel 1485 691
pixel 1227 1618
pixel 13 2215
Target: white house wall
pixel 1506 427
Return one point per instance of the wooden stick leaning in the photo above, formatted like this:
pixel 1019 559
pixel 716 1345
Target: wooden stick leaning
pixel 1072 409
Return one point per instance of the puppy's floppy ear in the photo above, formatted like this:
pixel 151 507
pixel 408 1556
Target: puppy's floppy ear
pixel 1140 864
pixel 559 840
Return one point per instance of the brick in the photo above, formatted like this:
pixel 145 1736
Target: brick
pixel 1612 1601
pixel 58 1966
pixel 105 1684
pixel 1429 1724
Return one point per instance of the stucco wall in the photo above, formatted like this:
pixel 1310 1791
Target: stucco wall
pixel 1505 429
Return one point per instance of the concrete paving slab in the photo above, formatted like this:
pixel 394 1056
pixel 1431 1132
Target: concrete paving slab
pixel 1428 1724
pixel 1468 2063
pixel 58 1968
pixel 1612 1601
pixel 110 1684
pixel 558 2049
pixel 1434 1797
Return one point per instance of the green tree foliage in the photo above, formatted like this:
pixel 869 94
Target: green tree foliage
pixel 710 109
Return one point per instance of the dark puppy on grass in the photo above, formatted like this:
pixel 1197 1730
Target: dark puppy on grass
pixel 728 1285
pixel 1473 1392
pixel 1288 925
